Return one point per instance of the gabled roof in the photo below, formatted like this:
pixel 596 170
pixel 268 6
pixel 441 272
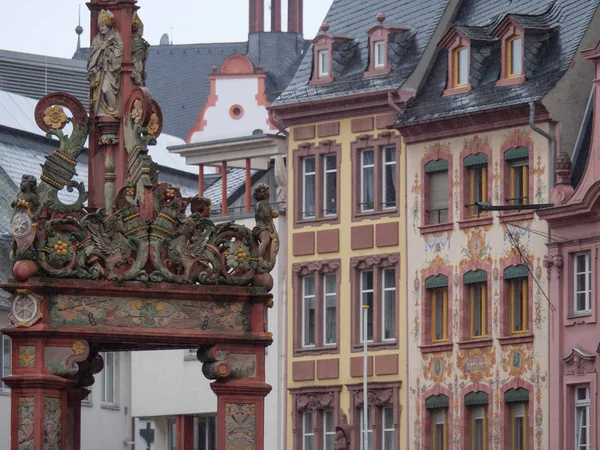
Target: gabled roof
pixel 354 18
pixel 564 22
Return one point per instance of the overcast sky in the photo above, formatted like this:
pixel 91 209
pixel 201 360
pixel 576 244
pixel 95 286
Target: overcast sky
pixel 48 26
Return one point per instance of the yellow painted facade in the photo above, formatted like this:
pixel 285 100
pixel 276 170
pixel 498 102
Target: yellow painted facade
pixel 347 302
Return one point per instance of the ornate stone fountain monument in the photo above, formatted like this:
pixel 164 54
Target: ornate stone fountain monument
pixel 131 264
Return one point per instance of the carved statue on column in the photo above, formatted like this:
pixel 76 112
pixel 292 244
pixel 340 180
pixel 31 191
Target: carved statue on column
pixel 139 51
pixel 265 231
pixel 104 67
pixel 342 437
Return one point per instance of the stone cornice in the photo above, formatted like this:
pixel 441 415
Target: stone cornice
pixel 327 266
pixel 368 261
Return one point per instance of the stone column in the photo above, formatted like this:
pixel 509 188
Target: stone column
pixel 74 399
pixel 239 371
pixel 185 432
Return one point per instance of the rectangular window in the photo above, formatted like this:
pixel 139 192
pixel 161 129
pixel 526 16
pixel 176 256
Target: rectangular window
pixel 108 378
pixel 330 305
pixel 330 185
pixel 583 282
pixel 582 417
pixel 368 430
pixel 6 363
pixel 439 299
pixel 308 311
pixel 308 188
pixel 389 178
pixel 207 432
pixel 323 57
pixel 461 67
pixel 478 302
pixel 389 304
pixel 387 427
pixel 519 426
pixel 328 430
pixel 478 428
pixel 439 427
pixel 519 305
pixel 477 176
pixel 171 434
pixel 308 431
pixel 515 59
pixel 366 296
pixel 519 182
pixel 367 178
pixel 379 51
pixel 437 210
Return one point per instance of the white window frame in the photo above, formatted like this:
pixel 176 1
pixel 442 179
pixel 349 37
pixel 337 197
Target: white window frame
pixel 459 66
pixel 364 291
pixel 385 289
pixel 103 397
pixel 5 341
pixel 325 296
pixel 379 63
pixel 325 432
pixel 306 174
pixel 384 165
pixel 580 406
pixel 363 166
pixel 210 420
pixel 323 63
pixel 326 174
pixel 171 434
pixel 384 429
pixel 307 433
pixel 306 297
pixel 369 429
pixel 588 282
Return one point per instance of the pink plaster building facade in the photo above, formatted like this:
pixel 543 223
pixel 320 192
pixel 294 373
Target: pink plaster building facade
pixel 572 269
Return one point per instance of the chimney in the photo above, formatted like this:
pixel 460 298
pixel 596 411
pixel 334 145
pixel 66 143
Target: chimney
pixel 275 15
pixel 256 16
pixel 295 16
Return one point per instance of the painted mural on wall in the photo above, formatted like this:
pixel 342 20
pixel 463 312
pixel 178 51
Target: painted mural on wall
pixel 149 313
pixel 52 424
pixel 26 420
pixel 493 246
pixel 240 426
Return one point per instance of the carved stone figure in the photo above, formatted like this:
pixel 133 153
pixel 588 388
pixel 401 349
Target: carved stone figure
pixel 109 246
pixel 189 246
pixel 342 437
pixel 27 196
pixel 104 67
pixel 139 51
pixel 265 231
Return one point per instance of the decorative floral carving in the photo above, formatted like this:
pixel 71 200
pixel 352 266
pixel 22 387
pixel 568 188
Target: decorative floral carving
pixel 26 356
pixel 240 426
pixel 55 117
pixel 52 424
pixel 375 396
pixel 327 266
pixel 136 112
pixel 579 363
pixel 314 401
pixel 154 124
pixel 365 262
pixel 220 364
pixel 26 421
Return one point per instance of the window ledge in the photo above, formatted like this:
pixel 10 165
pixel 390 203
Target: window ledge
pixel 321 80
pixel 511 81
pixel 438 347
pixel 316 351
pixel 316 222
pixel 516 339
pixel 475 343
pixel 457 90
pixel 437 227
pixel 375 346
pixel 477 222
pixel 516 216
pixel 580 319
pixel 5 391
pixel 377 72
pixel 374 214
pixel 87 404
pixel 110 406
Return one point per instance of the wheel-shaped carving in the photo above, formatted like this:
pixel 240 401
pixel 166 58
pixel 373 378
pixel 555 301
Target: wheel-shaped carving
pixel 49 115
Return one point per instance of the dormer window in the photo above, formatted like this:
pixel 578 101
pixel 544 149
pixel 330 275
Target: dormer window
pixel 515 56
pixel 379 54
pixel 458 46
pixel 461 67
pixel 323 63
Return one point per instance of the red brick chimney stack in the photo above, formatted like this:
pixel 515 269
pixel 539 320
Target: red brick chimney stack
pixel 295 16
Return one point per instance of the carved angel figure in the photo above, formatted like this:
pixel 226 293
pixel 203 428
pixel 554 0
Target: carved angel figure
pixel 185 250
pixel 265 231
pixel 27 196
pixel 109 246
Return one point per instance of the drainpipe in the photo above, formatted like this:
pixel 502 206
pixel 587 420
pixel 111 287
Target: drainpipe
pixel 277 124
pixel 551 138
pixel 391 102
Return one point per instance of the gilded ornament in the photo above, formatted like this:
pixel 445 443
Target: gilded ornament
pixel 61 248
pixel 159 306
pixel 139 304
pixel 26 356
pixel 136 113
pixel 55 117
pixel 78 348
pixel 153 125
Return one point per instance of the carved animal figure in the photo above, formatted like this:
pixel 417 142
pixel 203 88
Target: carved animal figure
pixel 110 246
pixel 187 252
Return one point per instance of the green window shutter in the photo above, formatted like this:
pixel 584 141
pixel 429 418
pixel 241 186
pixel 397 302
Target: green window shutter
pixel 437 402
pixel 516 395
pixel 519 271
pixel 516 153
pixel 436 281
pixel 478 159
pixel 476 398
pixel 439 165
pixel 475 276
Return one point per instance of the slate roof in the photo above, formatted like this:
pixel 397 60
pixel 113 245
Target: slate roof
pixel 178 74
pixel 559 26
pixel 353 18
